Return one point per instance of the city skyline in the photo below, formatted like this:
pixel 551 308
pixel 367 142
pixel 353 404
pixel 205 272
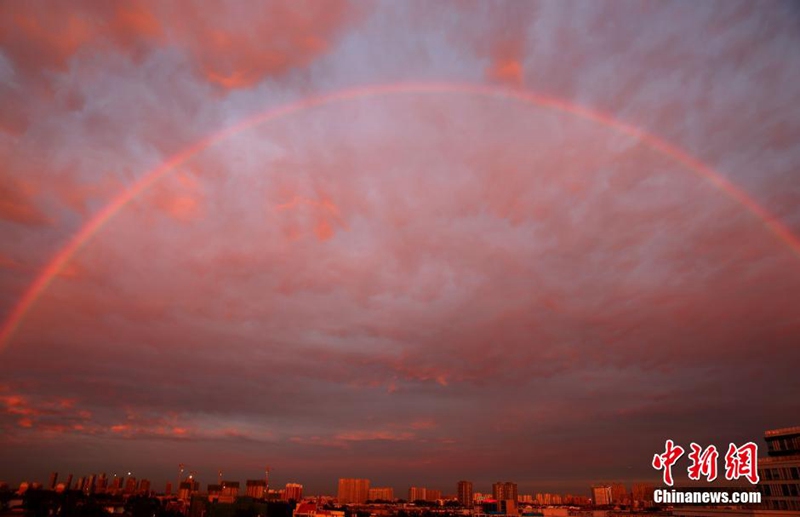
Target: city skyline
pixel 410 242
pixel 346 490
pixel 129 484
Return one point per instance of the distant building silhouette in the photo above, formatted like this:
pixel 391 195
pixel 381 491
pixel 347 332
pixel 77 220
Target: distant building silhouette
pixel 293 492
pixel 643 494
pixel 464 491
pixel 353 490
pixel 256 488
pixel 214 491
pixel 416 493
pixel 230 490
pixel 187 489
pixel 381 494
pixel 601 495
pixel 130 485
pixel 505 491
pixel 619 494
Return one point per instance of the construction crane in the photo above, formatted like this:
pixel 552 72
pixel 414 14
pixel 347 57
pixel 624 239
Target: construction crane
pixel 181 468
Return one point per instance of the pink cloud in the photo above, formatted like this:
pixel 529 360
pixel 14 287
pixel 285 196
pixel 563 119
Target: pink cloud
pixel 17 203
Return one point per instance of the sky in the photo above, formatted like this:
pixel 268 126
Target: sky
pixel 523 241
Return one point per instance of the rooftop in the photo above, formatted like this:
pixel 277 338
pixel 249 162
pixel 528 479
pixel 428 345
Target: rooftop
pixel 783 431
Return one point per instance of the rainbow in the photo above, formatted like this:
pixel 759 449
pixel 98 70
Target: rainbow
pixel 62 257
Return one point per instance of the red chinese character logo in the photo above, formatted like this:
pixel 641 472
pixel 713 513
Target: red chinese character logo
pixel 667 460
pixel 703 462
pixel 742 462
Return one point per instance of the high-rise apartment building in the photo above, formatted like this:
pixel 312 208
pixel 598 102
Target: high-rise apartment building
pixel 381 494
pixel 353 491
pixel 643 494
pixel 53 481
pixel 293 492
pixel 505 491
pixel 187 489
pixel 464 491
pixel 601 495
pixel 230 489
pixel 88 484
pixel 619 494
pixel 255 488
pixel 416 493
pixel 130 485
pixel 101 485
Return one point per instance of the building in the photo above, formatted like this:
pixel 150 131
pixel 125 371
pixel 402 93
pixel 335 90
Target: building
pixel 544 499
pixel 416 493
pixel 505 491
pixel 293 492
pixel 601 495
pixel 88 485
pixel 478 498
pixel 464 491
pixel 353 491
pixel 230 489
pixel 778 482
pixel 256 488
pixel 643 494
pixel 53 481
pixel 779 471
pixel 381 494
pixel 312 510
pixel 168 488
pixel 144 487
pixel 305 510
pixel 499 507
pixel 130 485
pixel 187 489
pixel 101 485
pixel 619 494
